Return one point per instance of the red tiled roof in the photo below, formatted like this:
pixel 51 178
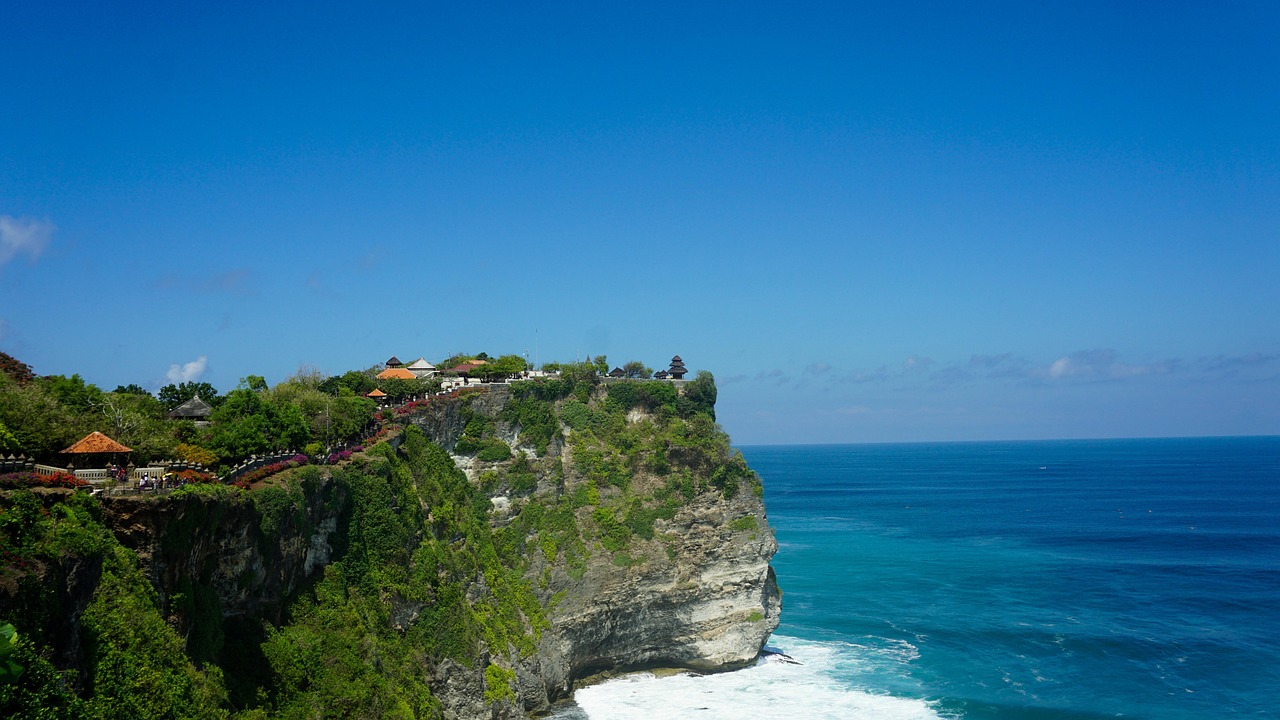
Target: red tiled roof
pixel 96 442
pixel 375 393
pixel 396 373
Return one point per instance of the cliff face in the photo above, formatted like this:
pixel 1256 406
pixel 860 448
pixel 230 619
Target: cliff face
pixel 227 549
pixel 595 529
pixel 698 594
pixel 706 601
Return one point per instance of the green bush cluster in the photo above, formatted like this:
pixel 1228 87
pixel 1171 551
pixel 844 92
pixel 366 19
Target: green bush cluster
pixel 136 665
pixel 534 416
pixel 339 649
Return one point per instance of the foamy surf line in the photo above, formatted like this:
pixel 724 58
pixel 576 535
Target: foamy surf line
pixel 806 689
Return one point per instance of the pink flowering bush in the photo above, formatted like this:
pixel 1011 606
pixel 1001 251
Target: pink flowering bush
pixel 260 473
pixel 10 481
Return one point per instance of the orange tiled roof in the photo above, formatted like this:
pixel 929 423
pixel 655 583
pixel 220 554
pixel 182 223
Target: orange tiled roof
pixel 375 393
pixel 396 373
pixel 96 442
pixel 467 366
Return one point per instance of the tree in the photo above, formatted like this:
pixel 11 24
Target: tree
pixel 8 443
pixel 359 382
pixel 241 426
pixel 131 389
pixel 19 371
pixel 139 422
pixel 256 383
pixel 637 369
pixel 398 389
pixel 504 366
pixel 73 392
pixel 41 425
pixel 171 396
pixel 700 395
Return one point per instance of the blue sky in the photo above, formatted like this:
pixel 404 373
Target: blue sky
pixel 921 222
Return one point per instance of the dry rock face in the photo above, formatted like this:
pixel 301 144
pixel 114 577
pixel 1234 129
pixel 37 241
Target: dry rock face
pixel 708 604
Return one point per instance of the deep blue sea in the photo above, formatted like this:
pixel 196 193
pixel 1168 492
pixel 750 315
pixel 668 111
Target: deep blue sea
pixel 989 581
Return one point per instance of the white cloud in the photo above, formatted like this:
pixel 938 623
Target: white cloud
pixel 23 235
pixel 915 362
pixel 817 368
pixel 1103 364
pixel 187 372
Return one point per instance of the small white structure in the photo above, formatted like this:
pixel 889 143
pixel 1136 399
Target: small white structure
pixel 421 368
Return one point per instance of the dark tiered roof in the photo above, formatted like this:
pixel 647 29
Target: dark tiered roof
pixel 617 372
pixel 193 408
pixel 394 361
pixel 677 369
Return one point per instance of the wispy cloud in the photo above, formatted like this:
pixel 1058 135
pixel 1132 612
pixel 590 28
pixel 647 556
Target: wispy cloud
pixel 372 259
pixel 316 284
pixel 981 367
pixel 817 369
pixel 859 377
pixel 1232 364
pixel 776 376
pixel 187 372
pixel 23 236
pixel 236 281
pixel 915 363
pixel 1101 364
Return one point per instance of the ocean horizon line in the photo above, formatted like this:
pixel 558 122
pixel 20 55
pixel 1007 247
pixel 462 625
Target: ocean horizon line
pixel 888 443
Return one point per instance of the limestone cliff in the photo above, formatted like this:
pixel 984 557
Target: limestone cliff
pixel 577 527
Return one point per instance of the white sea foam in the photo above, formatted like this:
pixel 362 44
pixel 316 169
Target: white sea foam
pixel 807 687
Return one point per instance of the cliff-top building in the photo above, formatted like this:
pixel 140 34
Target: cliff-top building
pixel 421 368
pixel 396 373
pixel 193 409
pixel 677 369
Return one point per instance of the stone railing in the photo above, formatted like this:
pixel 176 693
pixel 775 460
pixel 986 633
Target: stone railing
pixel 255 462
pixel 16 463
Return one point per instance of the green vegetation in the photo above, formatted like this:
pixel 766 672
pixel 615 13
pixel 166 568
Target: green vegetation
pixel 498 684
pixel 135 663
pixel 420 571
pixel 623 430
pixel 40 416
pixel 339 648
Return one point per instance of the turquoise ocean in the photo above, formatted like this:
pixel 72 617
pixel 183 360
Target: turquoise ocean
pixel 1055 580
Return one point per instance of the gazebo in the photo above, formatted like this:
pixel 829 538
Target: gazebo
pixel 376 394
pixel 96 449
pixel 394 361
pixel 617 373
pixel 677 369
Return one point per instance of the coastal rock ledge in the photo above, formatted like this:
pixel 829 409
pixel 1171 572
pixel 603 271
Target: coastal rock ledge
pixel 707 601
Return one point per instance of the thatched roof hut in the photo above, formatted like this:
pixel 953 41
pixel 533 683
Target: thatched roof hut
pixel 193 409
pixel 677 369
